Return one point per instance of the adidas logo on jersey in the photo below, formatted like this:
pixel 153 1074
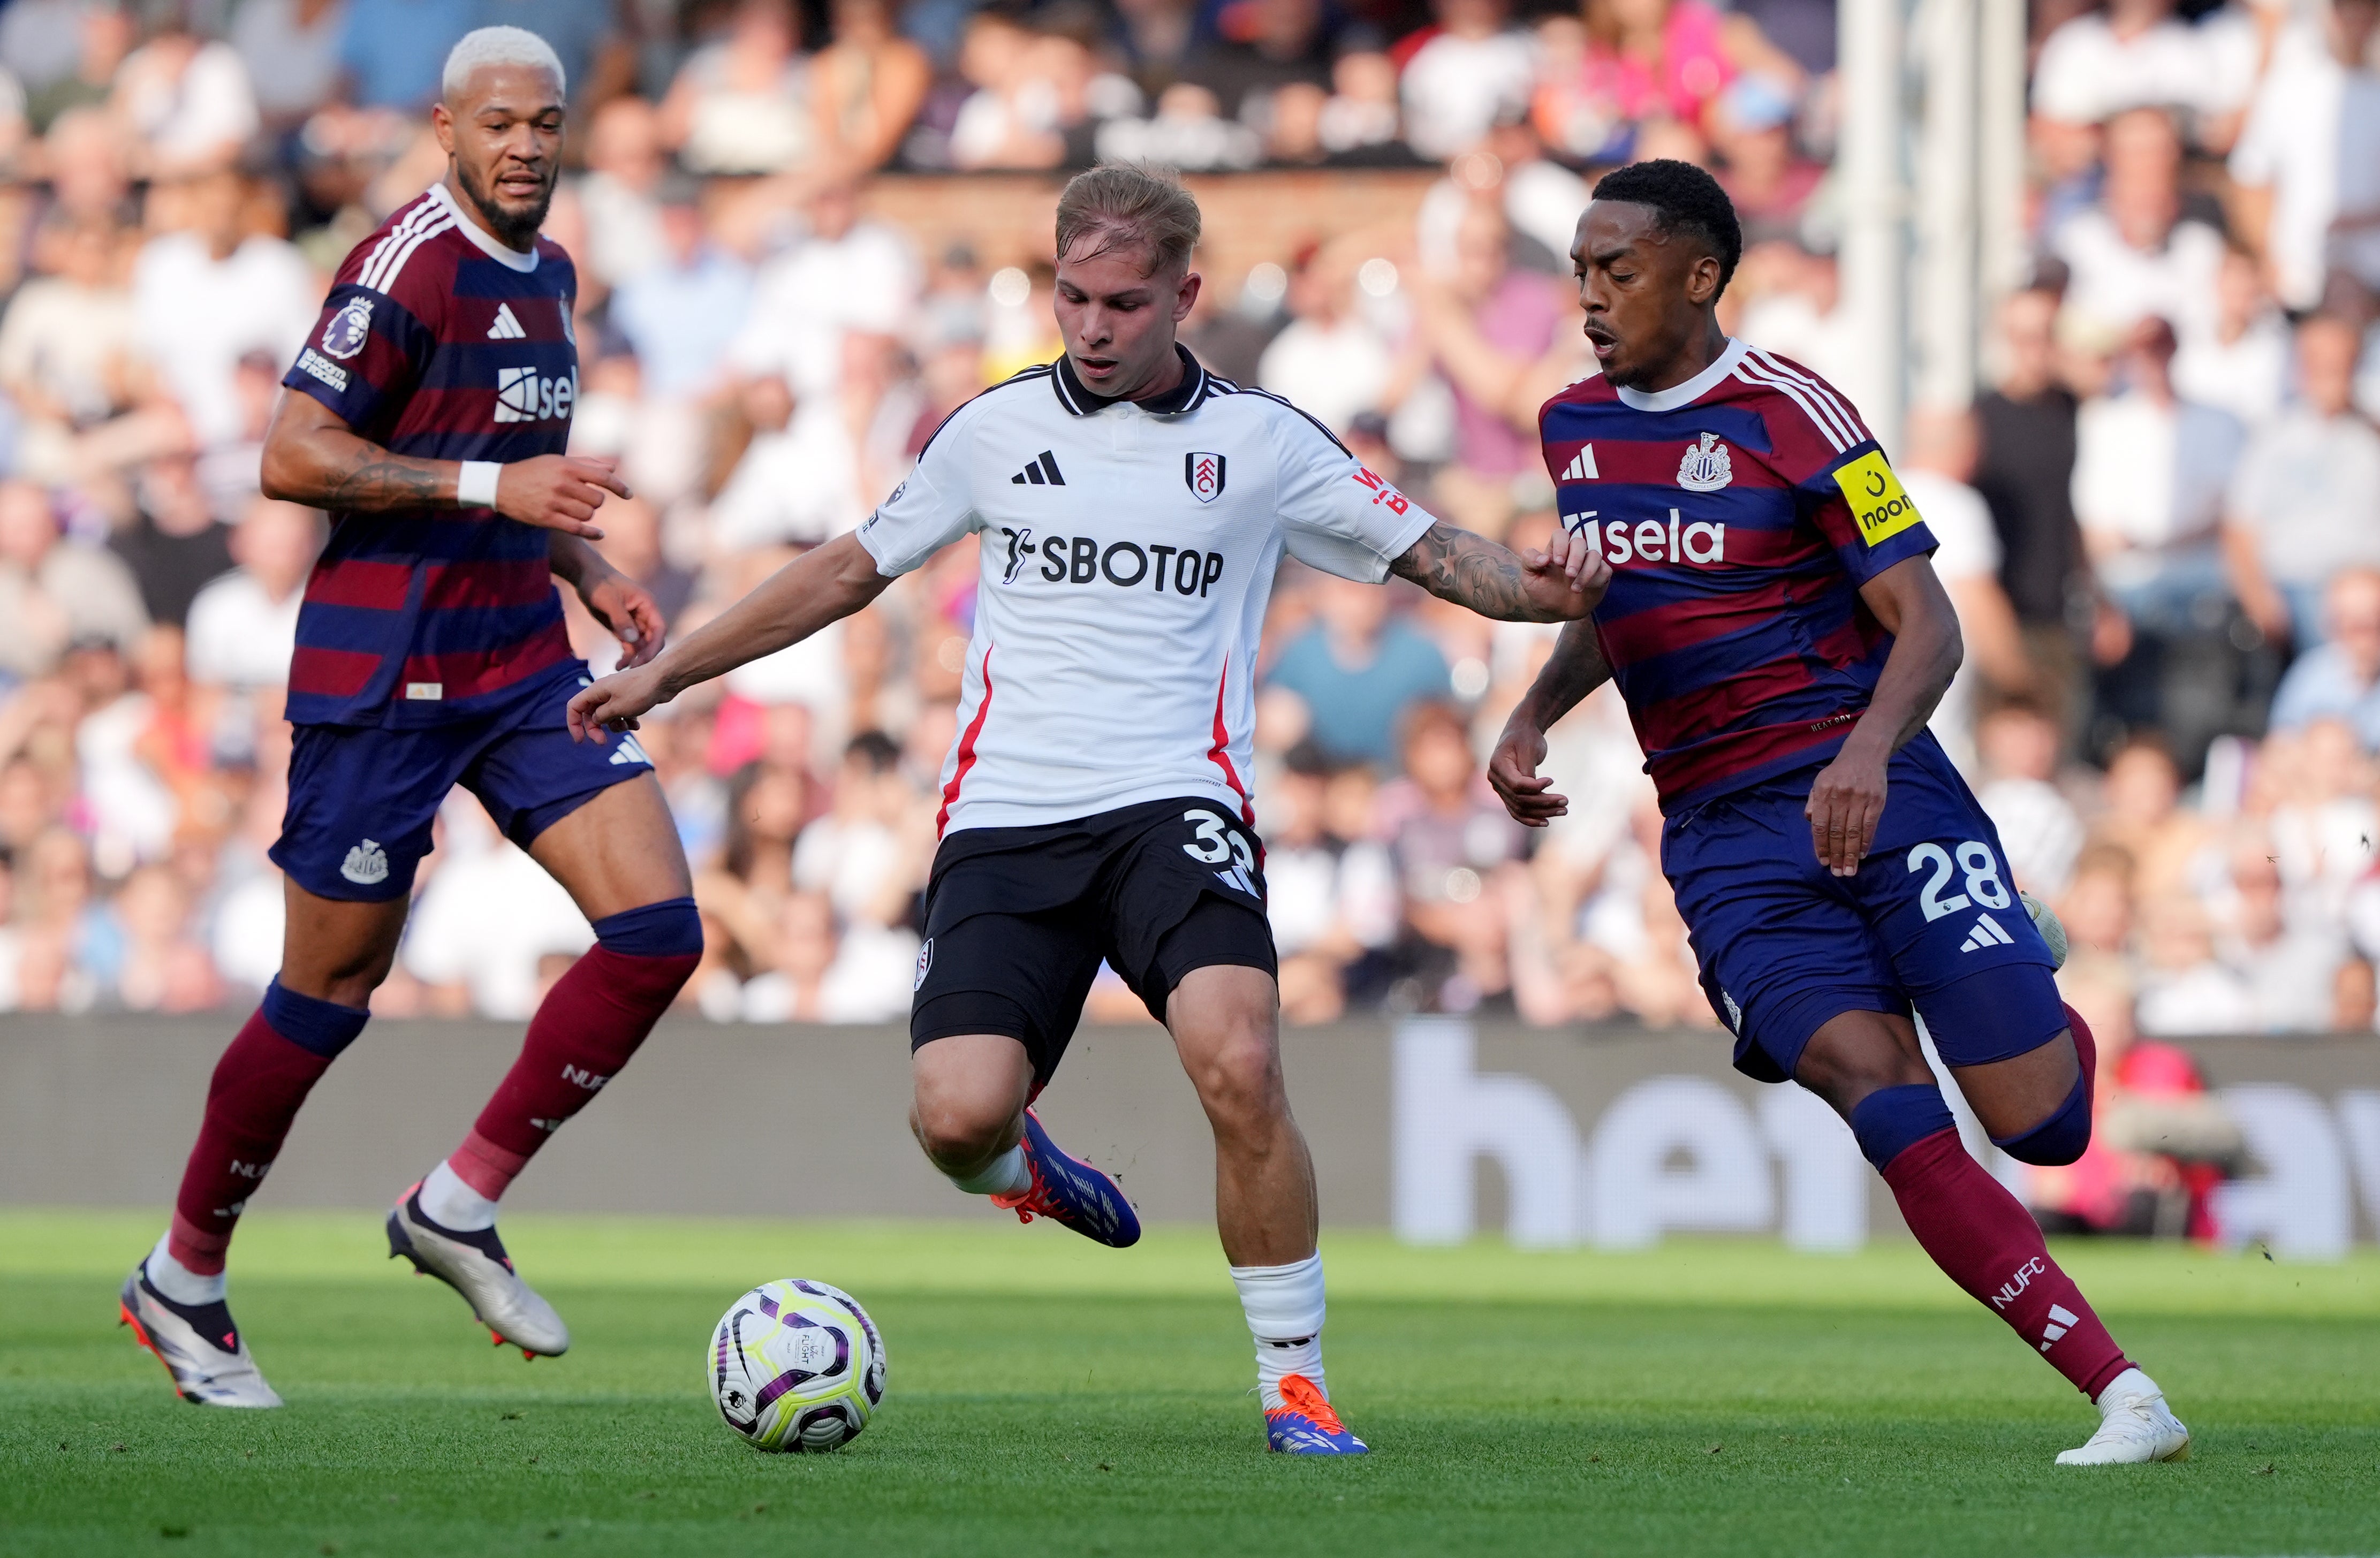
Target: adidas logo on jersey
pixel 1988 933
pixel 1042 472
pixel 506 328
pixel 1582 466
pixel 2061 1320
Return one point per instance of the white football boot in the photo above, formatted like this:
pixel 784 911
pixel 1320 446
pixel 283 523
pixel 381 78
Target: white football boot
pixel 475 1265
pixel 2135 1426
pixel 197 1344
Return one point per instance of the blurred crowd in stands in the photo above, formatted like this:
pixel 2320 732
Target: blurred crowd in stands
pixel 2160 524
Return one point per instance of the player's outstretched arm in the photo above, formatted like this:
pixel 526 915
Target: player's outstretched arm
pixel 816 588
pixel 1561 583
pixel 312 456
pixel 1847 800
pixel 1575 669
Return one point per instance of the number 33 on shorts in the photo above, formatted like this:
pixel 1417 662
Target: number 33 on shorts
pixel 1965 881
pixel 1219 845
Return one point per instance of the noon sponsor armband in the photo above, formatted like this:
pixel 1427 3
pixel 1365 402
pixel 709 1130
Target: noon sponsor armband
pixel 1878 500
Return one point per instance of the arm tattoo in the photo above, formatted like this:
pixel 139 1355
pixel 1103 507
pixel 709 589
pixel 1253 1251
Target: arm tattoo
pixel 377 480
pixel 1470 571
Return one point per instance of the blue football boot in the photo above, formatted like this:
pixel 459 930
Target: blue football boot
pixel 1070 1193
pixel 1304 1424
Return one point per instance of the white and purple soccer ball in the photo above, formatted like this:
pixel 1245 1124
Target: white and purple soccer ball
pixel 796 1365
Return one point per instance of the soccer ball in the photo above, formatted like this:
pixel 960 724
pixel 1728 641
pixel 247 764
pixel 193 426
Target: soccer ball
pixel 2052 929
pixel 796 1365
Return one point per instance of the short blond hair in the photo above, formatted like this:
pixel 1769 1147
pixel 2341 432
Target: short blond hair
pixel 1119 204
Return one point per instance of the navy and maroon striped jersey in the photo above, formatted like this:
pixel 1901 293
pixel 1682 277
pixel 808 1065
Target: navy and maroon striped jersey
pixel 439 343
pixel 1740 512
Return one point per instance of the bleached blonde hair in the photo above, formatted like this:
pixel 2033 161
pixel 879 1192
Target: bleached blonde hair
pixel 498 45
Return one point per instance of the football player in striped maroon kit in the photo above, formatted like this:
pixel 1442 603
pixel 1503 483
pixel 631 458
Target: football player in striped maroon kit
pixel 429 413
pixel 1775 625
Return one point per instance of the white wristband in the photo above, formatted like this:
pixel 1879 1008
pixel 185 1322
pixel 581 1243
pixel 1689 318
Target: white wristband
pixel 476 487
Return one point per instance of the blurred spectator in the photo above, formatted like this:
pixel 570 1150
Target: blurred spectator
pixel 2161 1143
pixel 291 49
pixel 680 316
pixel 742 105
pixel 243 625
pixel 2305 502
pixel 2017 746
pixel 2134 253
pixel 2307 169
pixel 2123 54
pixel 1632 61
pixel 55 593
pixel 104 36
pixel 1474 71
pixel 1454 845
pixel 485 926
pixel 1766 175
pixel 584 37
pixel 871 82
pixel 213 290
pixel 1939 460
pixel 185 99
pixel 857 855
pixel 2150 474
pixel 1361 112
pixel 2024 471
pixel 175 543
pixel 2339 679
pixel 2241 362
pixel 1264 45
pixel 818 974
pixel 68 342
pixel 626 235
pixel 1357 668
pixel 393 50
pixel 1325 892
pixel 41 40
pixel 1487 327
pixel 1330 360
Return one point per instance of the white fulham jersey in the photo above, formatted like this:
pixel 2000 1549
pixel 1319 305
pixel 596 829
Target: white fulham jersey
pixel 1128 552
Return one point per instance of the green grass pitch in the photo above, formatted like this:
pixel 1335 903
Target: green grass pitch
pixel 1047 1397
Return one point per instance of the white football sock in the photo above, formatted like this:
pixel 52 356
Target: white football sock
pixel 452 1204
pixel 1285 1308
pixel 1007 1174
pixel 177 1281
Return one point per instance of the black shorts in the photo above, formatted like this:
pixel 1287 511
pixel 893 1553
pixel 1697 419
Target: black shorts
pixel 1019 919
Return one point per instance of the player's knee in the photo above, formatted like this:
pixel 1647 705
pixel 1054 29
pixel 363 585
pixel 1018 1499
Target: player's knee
pixel 958 1131
pixel 1239 1078
pixel 2059 1139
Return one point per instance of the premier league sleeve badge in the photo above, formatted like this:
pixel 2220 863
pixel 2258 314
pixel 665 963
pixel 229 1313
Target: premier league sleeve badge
pixel 349 328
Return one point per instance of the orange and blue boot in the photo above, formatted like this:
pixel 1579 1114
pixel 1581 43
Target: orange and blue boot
pixel 1304 1424
pixel 1070 1193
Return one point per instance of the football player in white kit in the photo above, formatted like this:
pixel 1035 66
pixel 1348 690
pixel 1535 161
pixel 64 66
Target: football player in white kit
pixel 1133 510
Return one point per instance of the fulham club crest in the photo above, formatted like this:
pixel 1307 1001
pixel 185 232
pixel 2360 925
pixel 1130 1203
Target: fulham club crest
pixel 1204 473
pixel 349 328
pixel 1707 466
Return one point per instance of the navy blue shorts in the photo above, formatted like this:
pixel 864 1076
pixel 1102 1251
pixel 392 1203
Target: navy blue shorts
pixel 361 798
pixel 1930 921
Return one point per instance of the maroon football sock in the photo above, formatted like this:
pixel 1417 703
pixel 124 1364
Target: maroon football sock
pixel 258 1084
pixel 1986 1242
pixel 586 1028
